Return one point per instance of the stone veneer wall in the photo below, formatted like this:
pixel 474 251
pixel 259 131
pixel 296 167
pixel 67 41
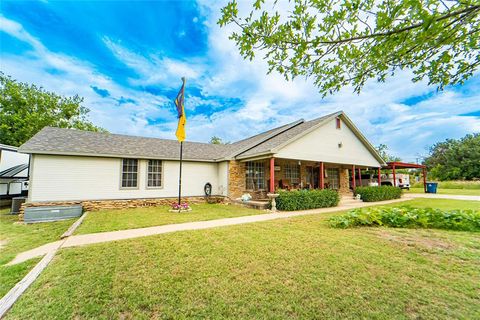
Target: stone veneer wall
pixel 96 205
pixel 236 179
pixel 344 187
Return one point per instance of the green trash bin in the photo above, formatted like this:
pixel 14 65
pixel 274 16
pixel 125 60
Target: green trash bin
pixel 432 187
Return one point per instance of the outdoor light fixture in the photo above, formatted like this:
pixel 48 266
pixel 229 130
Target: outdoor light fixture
pixel 299 163
pixel 340 144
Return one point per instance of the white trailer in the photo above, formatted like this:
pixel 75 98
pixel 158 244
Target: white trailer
pixel 13 173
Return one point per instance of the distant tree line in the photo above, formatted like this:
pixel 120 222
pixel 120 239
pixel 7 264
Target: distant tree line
pixel 455 159
pixel 25 109
pixel 382 150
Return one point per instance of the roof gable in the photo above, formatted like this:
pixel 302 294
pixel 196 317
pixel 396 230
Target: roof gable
pixel 329 144
pixel 275 144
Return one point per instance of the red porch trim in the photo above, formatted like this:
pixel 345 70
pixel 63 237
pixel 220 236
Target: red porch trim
pixel 354 183
pixel 394 177
pixel 379 176
pixel 403 165
pixel 360 176
pixel 272 175
pixel 424 173
pixel 322 176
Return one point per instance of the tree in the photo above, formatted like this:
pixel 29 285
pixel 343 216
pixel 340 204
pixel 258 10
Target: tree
pixel 382 150
pixel 25 109
pixel 217 140
pixel 455 159
pixel 340 43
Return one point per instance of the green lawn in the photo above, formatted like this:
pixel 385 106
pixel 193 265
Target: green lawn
pixel 111 220
pixel 119 219
pixel 292 268
pixel 464 192
pixel 15 238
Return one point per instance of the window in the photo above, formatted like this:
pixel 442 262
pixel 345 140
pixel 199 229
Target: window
pixel 292 172
pixel 154 174
pixel 255 175
pixel 333 178
pixel 339 123
pixel 129 173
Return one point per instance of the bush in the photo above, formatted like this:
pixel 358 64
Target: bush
pixel 370 194
pixel 408 217
pixel 306 199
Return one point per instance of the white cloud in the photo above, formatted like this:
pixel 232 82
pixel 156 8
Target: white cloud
pixel 153 69
pixel 267 100
pixel 73 77
pixel 407 130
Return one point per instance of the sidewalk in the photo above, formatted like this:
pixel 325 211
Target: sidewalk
pixel 92 238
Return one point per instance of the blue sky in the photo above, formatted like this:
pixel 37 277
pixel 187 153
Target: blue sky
pixel 126 60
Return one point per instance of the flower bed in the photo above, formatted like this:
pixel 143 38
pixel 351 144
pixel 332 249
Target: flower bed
pixel 408 217
pixel 306 199
pixel 180 207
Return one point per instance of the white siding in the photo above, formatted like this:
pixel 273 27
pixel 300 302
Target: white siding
pixel 58 178
pixel 322 145
pixel 222 178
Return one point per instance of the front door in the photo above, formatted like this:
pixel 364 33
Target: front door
pixel 312 177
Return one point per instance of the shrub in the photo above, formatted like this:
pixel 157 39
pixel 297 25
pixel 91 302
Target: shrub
pixel 370 194
pixel 408 217
pixel 306 199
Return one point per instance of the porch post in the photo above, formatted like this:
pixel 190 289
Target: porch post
pixel 272 175
pixel 424 171
pixel 394 177
pixel 360 176
pixel 354 183
pixel 322 176
pixel 379 176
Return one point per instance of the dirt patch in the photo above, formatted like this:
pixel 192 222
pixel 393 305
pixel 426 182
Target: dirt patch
pixel 3 243
pixel 410 240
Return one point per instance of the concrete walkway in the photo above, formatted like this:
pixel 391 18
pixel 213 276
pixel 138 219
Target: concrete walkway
pixel 92 238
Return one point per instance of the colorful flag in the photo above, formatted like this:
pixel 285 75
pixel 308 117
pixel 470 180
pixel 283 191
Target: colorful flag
pixel 182 118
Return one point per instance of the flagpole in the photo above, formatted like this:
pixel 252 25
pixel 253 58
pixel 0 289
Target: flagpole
pixel 181 147
pixel 180 175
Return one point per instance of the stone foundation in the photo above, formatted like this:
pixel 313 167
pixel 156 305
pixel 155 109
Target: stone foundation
pixel 344 184
pixel 96 205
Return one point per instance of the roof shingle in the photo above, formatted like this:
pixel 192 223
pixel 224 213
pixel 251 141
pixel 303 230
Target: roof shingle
pixel 76 142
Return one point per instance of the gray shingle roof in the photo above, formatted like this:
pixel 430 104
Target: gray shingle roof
pixel 76 142
pixel 240 146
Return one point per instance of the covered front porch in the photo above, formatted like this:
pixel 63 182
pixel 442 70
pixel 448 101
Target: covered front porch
pixel 262 176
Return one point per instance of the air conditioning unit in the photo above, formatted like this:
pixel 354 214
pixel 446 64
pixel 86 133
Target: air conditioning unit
pixel 16 204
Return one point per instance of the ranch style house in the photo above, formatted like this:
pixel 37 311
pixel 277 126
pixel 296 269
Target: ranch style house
pixel 70 165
